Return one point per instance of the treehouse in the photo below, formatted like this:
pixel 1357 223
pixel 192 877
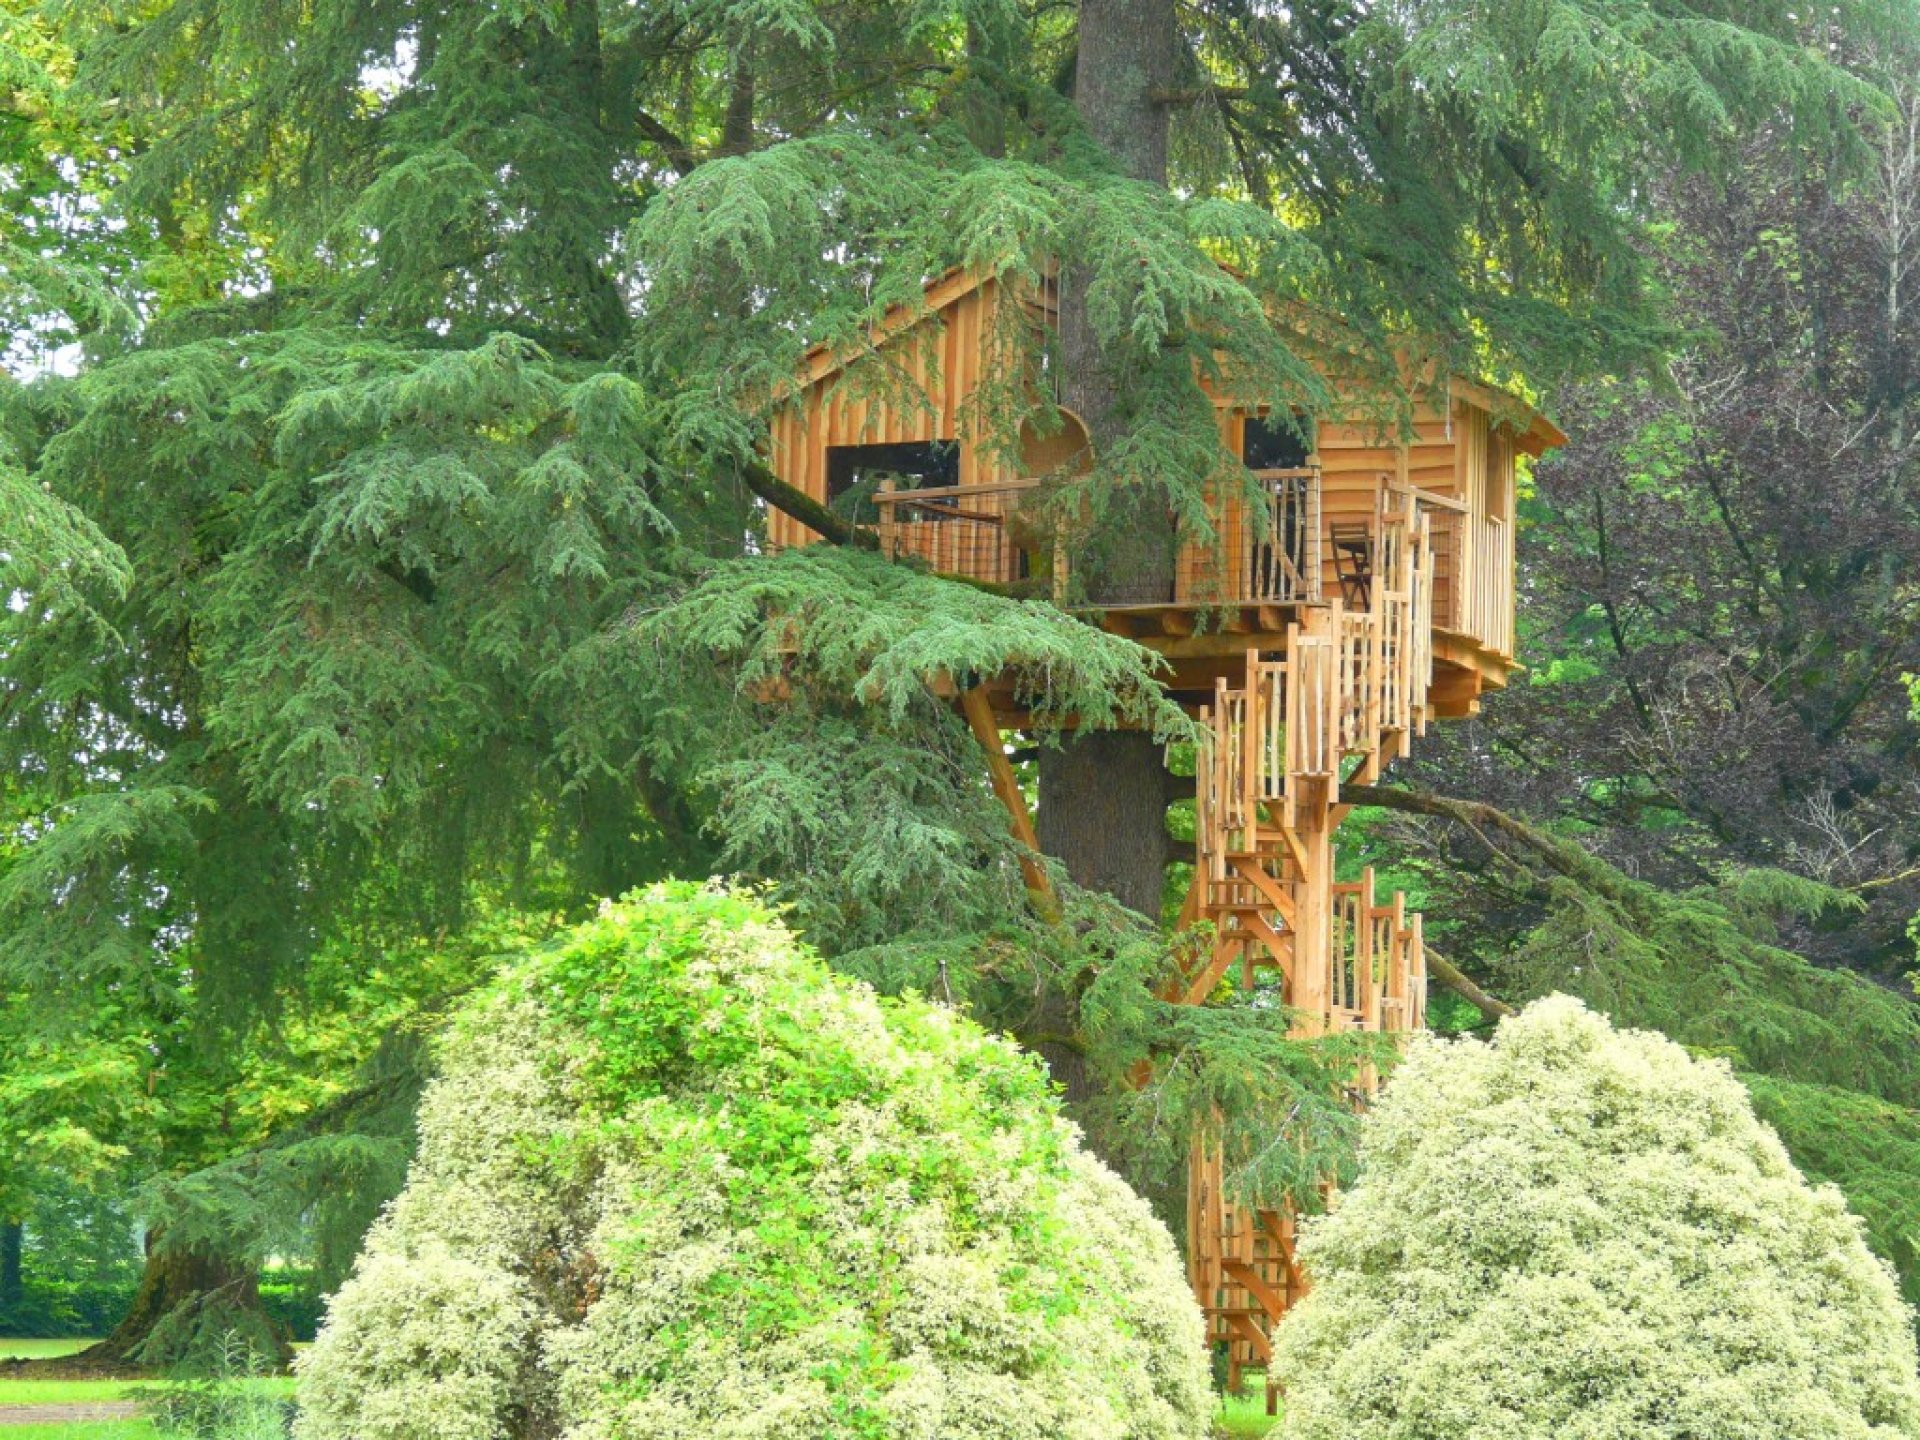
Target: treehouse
pixel 1356 588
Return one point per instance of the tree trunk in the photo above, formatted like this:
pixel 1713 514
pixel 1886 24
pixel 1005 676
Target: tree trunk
pixel 1127 53
pixel 1103 798
pixel 189 1299
pixel 1103 808
pixel 13 1235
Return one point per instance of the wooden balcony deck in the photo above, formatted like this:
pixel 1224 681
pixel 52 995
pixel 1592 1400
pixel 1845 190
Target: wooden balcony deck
pixel 1250 592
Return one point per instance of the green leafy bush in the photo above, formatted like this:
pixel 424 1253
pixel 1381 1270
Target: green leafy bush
pixel 677 1179
pixel 1579 1232
pixel 57 1309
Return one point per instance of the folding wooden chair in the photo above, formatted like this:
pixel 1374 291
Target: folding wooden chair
pixel 1353 563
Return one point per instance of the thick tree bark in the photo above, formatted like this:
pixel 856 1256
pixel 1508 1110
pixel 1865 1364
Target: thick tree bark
pixel 1450 975
pixel 185 1278
pixel 1103 806
pixel 13 1235
pixel 1127 57
pixel 1103 798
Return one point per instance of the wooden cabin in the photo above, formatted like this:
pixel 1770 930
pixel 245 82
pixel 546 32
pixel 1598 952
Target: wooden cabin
pixel 954 506
pixel 1378 595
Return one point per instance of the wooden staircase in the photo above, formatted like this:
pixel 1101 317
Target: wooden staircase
pixel 1344 698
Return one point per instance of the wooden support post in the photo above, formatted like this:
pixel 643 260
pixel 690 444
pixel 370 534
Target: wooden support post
pixel 1308 978
pixel 979 713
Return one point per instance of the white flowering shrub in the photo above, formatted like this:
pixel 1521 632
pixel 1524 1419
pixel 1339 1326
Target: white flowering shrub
pixel 677 1181
pixel 1584 1234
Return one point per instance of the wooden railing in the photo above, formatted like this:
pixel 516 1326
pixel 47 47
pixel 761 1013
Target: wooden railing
pixel 1351 686
pixel 1473 560
pixel 1313 702
pixel 956 530
pixel 967 530
pixel 1490 615
pixel 1274 559
pixel 1379 976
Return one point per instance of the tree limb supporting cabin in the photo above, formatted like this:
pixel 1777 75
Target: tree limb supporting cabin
pixel 1359 585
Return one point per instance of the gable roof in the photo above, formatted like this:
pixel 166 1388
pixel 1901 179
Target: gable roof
pixel 1532 431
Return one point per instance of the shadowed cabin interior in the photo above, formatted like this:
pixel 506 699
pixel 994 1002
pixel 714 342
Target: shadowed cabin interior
pixel 1367 591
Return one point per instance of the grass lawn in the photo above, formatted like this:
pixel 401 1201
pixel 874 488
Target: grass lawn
pixel 85 1392
pixel 1244 1417
pixel 1241 1417
pixel 61 1392
pixel 40 1349
pixel 92 1392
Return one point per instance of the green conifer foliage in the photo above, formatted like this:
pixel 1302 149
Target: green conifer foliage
pixel 455 334
pixel 1572 1230
pixel 458 325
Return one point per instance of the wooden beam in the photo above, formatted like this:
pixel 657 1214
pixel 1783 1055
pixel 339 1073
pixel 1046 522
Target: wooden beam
pixel 1194 902
pixel 1248 1277
pixel 1244 1327
pixel 1224 954
pixel 1254 874
pixel 1279 945
pixel 1295 850
pixel 979 713
pixel 1276 1229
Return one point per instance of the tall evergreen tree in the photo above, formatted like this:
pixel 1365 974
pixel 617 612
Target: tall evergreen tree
pixel 435 453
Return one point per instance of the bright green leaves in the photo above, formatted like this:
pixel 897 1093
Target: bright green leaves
pixel 750 1194
pixel 630 985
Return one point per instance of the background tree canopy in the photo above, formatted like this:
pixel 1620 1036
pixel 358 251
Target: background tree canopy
pixel 381 500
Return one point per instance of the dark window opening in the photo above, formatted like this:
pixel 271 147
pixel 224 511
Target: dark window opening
pixel 855 473
pixel 1272 445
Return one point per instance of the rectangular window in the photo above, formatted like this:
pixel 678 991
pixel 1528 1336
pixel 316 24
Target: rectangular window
pixel 855 472
pixel 1272 445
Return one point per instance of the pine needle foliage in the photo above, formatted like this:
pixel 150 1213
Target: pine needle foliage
pixel 807 696
pixel 1867 1147
pixel 1692 966
pixel 452 330
pixel 456 327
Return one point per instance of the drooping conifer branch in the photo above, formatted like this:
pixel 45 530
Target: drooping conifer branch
pixel 1450 975
pixel 804 508
pixel 1555 854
